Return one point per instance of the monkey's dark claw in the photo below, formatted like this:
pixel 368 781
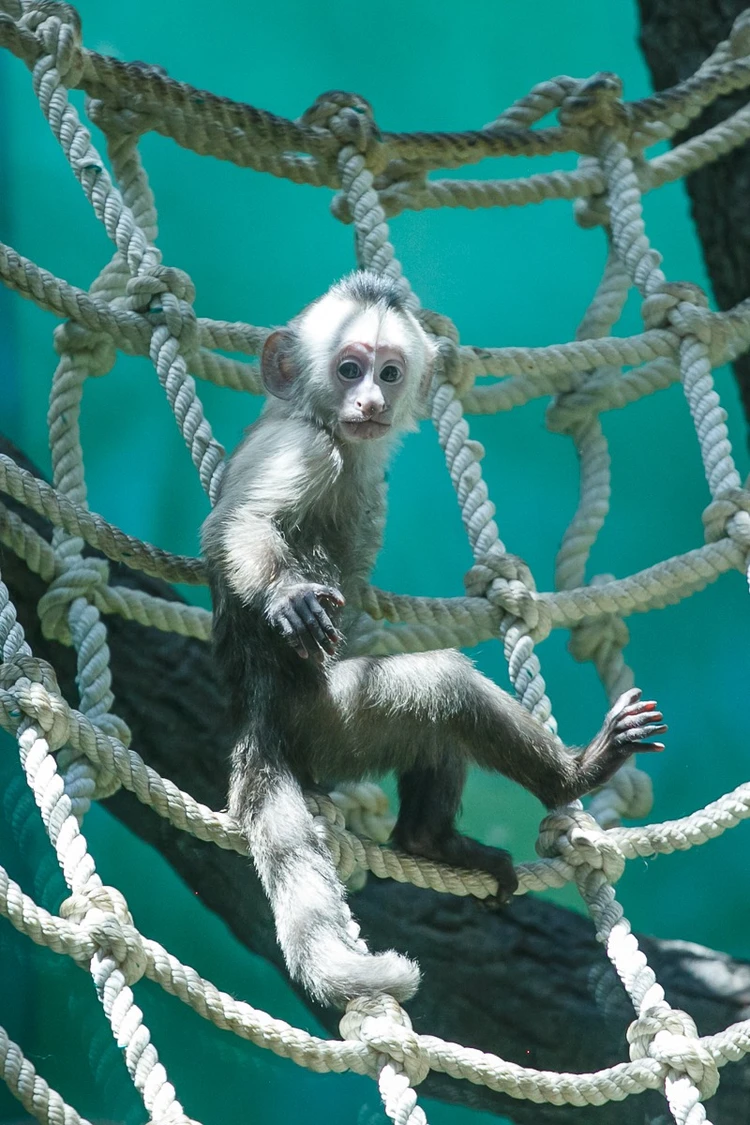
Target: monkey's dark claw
pixel 498 901
pixel 634 720
pixel 329 593
pixel 627 727
pixel 461 851
pixel 289 633
pixel 313 616
pixel 303 622
pixel 320 625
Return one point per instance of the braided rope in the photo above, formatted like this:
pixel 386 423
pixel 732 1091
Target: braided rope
pixel 142 307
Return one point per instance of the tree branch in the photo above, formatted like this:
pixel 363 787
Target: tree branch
pixel 676 37
pixel 529 983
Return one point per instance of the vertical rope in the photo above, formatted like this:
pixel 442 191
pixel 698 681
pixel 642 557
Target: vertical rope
pixel 95 918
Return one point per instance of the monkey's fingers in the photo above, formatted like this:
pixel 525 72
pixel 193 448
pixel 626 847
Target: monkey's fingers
pixel 636 736
pixel 639 707
pixel 329 593
pixel 627 699
pixel 633 719
pixel 329 634
pixel 312 613
pixel 292 631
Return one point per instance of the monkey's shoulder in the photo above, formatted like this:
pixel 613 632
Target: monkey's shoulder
pixel 283 462
pixel 289 438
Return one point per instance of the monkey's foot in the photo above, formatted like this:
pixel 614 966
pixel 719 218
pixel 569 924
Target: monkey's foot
pixel 462 851
pixel 631 721
pixel 625 730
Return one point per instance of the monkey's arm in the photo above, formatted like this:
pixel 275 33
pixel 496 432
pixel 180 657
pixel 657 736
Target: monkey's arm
pixel 252 542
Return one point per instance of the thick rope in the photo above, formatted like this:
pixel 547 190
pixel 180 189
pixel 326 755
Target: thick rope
pixel 141 307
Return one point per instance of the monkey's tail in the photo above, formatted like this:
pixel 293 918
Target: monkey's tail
pixel 314 926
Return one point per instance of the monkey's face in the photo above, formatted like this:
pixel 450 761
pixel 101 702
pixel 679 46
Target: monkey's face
pixel 373 370
pixel 358 367
pixel 368 378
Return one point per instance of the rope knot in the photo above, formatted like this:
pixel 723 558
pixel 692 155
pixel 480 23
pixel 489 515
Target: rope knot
pixel 365 809
pixel 597 101
pixel 575 836
pixel 103 915
pixel 349 118
pixel 167 295
pixel 450 364
pixel 678 305
pixel 114 119
pixel 729 514
pixel 592 211
pixel 33 685
pixel 506 581
pixel 97 348
pixel 594 637
pixel 79 579
pixel 381 1023
pixel 31 668
pixel 670 1036
pixel 497 564
pixel 450 367
pixel 58 30
pixel 157 281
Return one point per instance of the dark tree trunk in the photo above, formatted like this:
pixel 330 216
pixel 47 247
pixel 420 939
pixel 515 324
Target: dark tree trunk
pixel 529 983
pixel 676 37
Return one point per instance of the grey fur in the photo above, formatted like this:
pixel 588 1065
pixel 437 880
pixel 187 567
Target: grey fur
pixel 365 288
pixel 301 508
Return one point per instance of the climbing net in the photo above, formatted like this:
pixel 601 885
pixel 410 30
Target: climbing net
pixel 142 307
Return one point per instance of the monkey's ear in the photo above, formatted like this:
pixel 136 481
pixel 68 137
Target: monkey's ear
pixel 278 366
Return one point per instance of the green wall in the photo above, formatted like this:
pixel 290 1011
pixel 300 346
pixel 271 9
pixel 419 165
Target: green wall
pixel 257 249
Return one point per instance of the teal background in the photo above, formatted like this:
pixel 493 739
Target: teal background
pixel 257 249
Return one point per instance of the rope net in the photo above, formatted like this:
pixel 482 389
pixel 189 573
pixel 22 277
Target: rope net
pixel 142 307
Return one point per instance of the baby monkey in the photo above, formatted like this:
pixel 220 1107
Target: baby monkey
pixel 290 543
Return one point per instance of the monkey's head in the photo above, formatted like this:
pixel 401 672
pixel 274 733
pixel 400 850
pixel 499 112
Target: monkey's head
pixel 355 361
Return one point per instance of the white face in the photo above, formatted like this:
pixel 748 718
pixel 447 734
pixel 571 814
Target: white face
pixel 370 380
pixel 375 370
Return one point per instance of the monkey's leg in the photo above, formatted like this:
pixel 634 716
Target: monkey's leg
pixel 416 714
pixel 501 735
pixel 430 797
pixel 389 702
pixel 314 926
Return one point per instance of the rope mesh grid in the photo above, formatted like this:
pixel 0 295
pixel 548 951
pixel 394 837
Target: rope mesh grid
pixel 142 307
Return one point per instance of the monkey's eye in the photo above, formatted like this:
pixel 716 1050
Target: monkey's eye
pixel 349 369
pixel 390 373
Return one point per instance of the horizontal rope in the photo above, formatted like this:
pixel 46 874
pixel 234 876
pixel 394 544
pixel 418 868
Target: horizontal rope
pixel 142 307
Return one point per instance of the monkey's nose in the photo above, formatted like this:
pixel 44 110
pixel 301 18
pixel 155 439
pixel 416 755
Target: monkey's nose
pixel 370 407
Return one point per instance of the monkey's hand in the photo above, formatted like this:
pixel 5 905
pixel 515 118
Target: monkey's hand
pixel 626 727
pixel 296 611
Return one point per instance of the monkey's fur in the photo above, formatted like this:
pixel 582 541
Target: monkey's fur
pixel 292 539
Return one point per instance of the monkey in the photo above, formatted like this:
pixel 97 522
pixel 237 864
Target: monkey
pixel 289 544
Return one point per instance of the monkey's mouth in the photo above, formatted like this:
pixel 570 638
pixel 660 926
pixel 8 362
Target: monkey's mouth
pixel 365 429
